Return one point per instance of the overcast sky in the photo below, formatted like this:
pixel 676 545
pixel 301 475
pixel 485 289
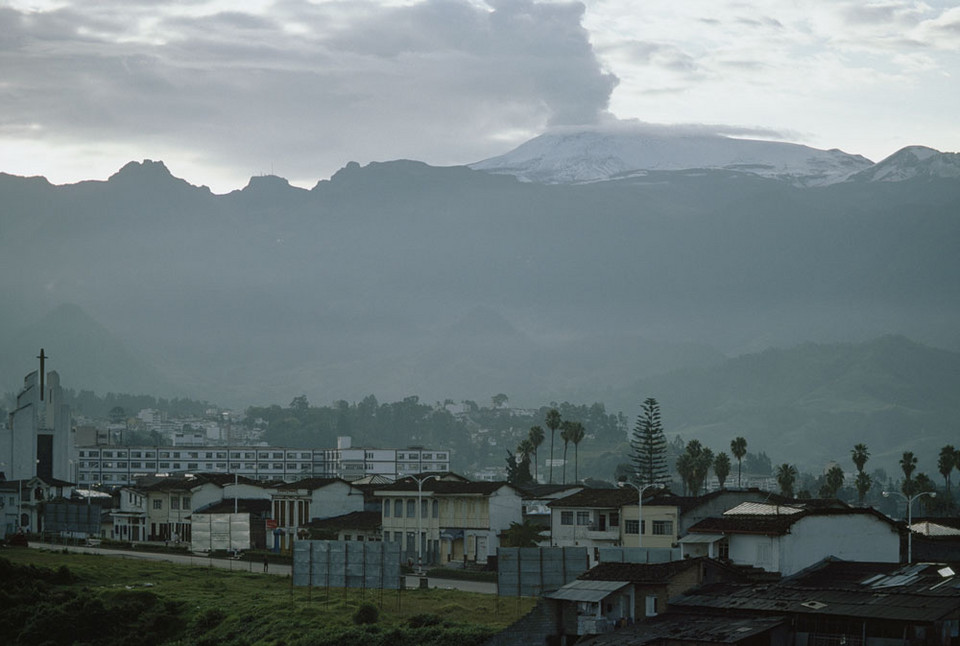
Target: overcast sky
pixel 223 90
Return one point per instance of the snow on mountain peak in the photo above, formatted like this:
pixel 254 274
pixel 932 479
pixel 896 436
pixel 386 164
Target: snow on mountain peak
pixel 592 155
pixel 911 162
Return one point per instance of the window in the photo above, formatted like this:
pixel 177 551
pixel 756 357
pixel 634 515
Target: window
pixel 631 527
pixel 164 465
pixel 386 509
pixel 411 508
pixel 566 518
pixel 398 508
pixel 441 456
pixel 134 465
pixel 174 502
pixel 192 465
pixel 651 606
pixel 723 549
pixel 424 508
pixel 186 502
pixel 193 455
pixel 583 518
pixel 108 454
pixel 158 504
pixel 436 509
pixel 662 527
pixel 614 519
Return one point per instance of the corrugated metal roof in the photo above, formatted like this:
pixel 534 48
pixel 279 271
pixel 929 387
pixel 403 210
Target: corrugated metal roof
pixel 762 509
pixel 701 538
pixel 592 591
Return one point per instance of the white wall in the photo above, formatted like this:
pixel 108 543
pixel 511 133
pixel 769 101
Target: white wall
pixel 853 537
pixel 858 537
pixel 335 499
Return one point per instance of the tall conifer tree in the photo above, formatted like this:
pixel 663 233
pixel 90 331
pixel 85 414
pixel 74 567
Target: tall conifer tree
pixel 649 445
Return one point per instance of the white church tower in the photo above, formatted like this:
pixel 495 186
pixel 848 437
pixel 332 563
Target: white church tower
pixel 37 440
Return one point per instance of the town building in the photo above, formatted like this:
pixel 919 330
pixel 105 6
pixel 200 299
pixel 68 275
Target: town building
pixel 37 440
pixel 600 518
pixel 296 504
pixel 837 602
pixel 457 520
pixel 114 466
pixel 789 538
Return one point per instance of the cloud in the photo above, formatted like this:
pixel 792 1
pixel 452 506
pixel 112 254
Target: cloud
pixel 305 86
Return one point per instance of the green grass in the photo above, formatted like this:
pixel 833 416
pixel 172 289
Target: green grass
pixel 213 606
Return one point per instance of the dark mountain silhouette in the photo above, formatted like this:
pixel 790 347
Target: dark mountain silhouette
pixel 371 281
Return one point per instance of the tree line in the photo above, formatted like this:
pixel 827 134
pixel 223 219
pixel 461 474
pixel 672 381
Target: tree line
pixel 693 463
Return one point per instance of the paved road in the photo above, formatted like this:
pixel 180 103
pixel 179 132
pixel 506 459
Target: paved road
pixel 411 582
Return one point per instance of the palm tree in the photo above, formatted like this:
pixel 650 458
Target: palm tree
pixel 721 467
pixel 566 434
pixel 908 464
pixel 552 422
pixel 786 477
pixel 833 481
pixel 739 449
pixel 685 468
pixel 578 434
pixel 536 438
pixel 860 454
pixel 525 448
pixel 945 464
pixel 863 484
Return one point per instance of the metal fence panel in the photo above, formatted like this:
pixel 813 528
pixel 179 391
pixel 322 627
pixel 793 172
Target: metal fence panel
pixel 346 564
pixel 532 571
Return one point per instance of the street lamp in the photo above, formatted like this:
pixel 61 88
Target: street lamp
pixel 910 499
pixel 420 482
pixel 640 489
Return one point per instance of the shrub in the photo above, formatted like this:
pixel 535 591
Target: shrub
pixel 424 619
pixel 367 613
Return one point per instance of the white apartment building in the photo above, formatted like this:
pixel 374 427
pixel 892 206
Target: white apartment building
pixel 114 466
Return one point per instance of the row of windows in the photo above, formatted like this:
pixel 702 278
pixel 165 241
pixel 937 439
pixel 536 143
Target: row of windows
pixel 427 508
pixel 244 455
pixel 176 503
pixel 420 456
pixel 192 466
pixel 585 518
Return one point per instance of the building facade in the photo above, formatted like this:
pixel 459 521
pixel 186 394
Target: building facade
pixel 113 466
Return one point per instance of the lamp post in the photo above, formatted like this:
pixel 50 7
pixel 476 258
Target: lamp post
pixel 910 499
pixel 640 489
pixel 420 482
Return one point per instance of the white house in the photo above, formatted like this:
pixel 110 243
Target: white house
pixel 789 538
pixel 295 504
pixel 456 519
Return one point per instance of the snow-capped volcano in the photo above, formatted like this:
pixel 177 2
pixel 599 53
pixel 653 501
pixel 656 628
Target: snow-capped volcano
pixel 589 156
pixel 911 162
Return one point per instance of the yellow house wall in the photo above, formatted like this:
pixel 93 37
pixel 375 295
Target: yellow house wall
pixel 651 513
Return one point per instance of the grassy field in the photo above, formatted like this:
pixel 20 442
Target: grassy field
pixel 204 606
